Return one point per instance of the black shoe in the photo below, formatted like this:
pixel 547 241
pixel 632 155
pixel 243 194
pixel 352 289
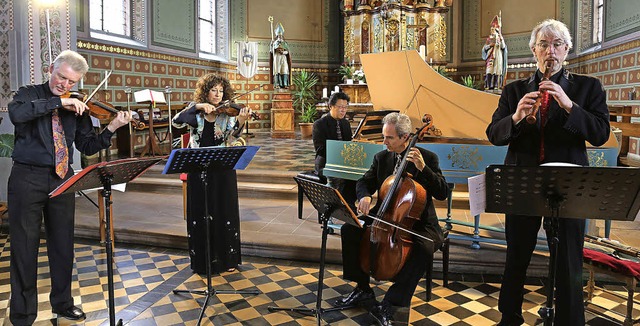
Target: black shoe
pixel 73 313
pixel 383 313
pixel 356 296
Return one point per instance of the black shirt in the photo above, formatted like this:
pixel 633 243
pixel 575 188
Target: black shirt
pixel 30 112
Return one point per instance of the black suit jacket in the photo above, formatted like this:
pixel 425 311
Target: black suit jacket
pixel 564 133
pixel 323 129
pixel 430 178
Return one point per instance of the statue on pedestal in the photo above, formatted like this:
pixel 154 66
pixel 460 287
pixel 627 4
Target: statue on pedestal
pixel 280 60
pixel 494 52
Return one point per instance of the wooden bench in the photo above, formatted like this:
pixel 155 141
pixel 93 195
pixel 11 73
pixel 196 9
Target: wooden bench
pixel 601 263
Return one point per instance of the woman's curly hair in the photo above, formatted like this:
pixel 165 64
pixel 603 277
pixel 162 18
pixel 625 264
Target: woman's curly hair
pixel 206 83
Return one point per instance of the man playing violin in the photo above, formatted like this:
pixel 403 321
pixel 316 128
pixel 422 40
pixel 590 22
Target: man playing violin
pixel 46 129
pixel 577 111
pixel 425 170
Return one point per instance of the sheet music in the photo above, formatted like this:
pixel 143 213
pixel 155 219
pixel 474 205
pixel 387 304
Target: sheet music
pixel 147 95
pixel 477 194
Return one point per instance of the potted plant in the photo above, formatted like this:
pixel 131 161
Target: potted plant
pixel 304 100
pixel 346 71
pixel 359 76
pixel 470 82
pixel 6 148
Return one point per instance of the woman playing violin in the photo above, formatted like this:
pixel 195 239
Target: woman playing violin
pixel 212 125
pixel 424 167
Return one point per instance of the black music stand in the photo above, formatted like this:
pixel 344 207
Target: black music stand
pixel 611 193
pixel 329 203
pixel 202 160
pixel 106 174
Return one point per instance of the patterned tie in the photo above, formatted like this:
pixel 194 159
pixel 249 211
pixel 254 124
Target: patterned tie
pixel 398 159
pixel 338 130
pixel 59 145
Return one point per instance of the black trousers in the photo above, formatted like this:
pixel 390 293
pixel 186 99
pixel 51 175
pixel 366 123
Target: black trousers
pixel 521 234
pixel 405 283
pixel 29 202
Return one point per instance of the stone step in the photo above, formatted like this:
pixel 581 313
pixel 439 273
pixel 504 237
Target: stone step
pixel 249 175
pixel 256 184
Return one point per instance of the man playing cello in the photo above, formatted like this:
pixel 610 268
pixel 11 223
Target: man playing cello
pixel 423 166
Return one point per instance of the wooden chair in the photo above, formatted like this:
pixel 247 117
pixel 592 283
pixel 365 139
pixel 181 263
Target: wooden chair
pixel 444 248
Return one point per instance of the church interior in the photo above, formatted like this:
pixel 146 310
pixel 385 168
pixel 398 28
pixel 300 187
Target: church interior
pixel 419 57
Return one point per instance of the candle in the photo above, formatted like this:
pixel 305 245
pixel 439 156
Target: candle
pixel 422 52
pixel 81 85
pixel 336 89
pixel 430 60
pixel 353 62
pixel 324 92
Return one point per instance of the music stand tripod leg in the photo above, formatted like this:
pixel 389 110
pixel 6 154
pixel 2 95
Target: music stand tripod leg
pixel 318 310
pixel 106 197
pixel 210 291
pixel 551 226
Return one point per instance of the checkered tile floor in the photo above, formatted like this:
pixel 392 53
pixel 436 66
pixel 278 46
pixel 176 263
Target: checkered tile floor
pixel 283 154
pixel 146 277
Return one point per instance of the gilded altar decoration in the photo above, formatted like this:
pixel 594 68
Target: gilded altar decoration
pixel 440 39
pixel 394 25
pixel 353 154
pixel 464 157
pixel 349 45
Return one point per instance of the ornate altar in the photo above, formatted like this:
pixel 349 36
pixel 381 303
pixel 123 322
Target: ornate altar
pixel 396 25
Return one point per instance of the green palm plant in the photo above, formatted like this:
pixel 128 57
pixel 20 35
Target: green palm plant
pixel 6 145
pixel 471 82
pixel 304 94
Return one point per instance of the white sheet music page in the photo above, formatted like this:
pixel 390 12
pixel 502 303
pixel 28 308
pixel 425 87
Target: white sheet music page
pixel 477 194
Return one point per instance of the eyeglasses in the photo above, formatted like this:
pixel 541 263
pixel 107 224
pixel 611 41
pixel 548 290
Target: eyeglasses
pixel 344 107
pixel 545 45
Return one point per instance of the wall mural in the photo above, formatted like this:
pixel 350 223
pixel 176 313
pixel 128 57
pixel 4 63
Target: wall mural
pixel 316 48
pixel 475 30
pixel 171 30
pixel 621 17
pixel 6 25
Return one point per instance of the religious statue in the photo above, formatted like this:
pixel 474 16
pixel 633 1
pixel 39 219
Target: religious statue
pixel 494 52
pixel 280 60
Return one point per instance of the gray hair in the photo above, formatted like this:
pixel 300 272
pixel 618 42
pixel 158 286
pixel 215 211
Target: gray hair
pixel 73 59
pixel 551 27
pixel 402 122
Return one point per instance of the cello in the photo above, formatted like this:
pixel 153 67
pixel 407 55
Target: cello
pixel 387 242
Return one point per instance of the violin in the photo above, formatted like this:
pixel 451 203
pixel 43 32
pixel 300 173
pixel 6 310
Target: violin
pixel 233 110
pixel 387 242
pixel 99 110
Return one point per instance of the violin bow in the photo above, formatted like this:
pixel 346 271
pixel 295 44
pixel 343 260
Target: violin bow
pixel 225 103
pixel 106 76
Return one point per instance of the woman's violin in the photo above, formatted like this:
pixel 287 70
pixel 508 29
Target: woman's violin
pixel 100 110
pixel 233 110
